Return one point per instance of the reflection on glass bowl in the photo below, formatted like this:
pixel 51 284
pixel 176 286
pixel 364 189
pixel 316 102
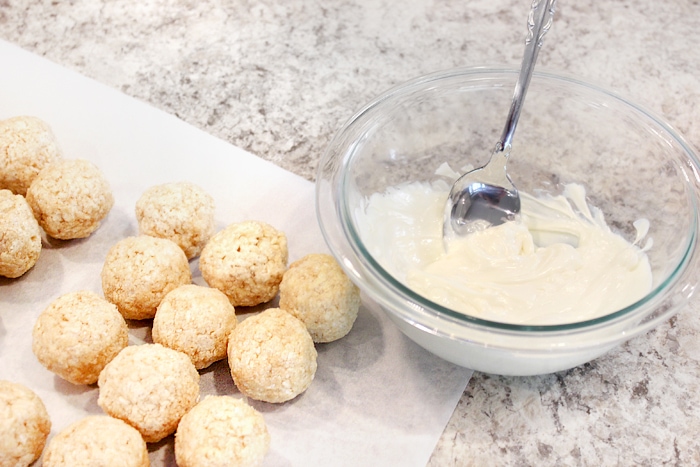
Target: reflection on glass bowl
pixel 632 164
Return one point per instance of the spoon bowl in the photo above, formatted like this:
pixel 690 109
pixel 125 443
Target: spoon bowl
pixel 482 198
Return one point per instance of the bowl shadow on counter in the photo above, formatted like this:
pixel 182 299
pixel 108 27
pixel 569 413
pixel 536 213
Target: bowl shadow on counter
pixel 574 389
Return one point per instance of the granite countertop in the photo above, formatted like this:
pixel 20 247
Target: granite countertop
pixel 278 77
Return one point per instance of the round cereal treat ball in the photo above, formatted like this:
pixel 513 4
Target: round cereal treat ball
pixel 272 356
pixel 70 198
pixel 245 261
pixel 316 290
pixel 195 320
pixel 150 387
pixel 77 335
pixel 24 425
pixel 97 440
pixel 20 235
pixel 27 145
pixel 139 271
pixel 221 431
pixel 181 212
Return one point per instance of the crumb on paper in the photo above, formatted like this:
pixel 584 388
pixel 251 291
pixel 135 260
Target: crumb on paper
pixel 77 335
pixel 150 387
pixel 272 356
pixel 24 425
pixel 27 145
pixel 139 271
pixel 221 430
pixel 70 198
pixel 97 440
pixel 180 211
pixel 195 320
pixel 20 236
pixel 245 261
pixel 316 290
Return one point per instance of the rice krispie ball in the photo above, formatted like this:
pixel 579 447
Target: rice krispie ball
pixel 272 356
pixel 27 145
pixel 245 261
pixel 182 212
pixel 20 235
pixel 195 320
pixel 24 425
pixel 221 431
pixel 139 271
pixel 97 440
pixel 316 290
pixel 70 198
pixel 150 387
pixel 77 335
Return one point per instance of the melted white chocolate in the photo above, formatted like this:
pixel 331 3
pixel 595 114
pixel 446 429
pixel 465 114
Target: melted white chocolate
pixel 560 263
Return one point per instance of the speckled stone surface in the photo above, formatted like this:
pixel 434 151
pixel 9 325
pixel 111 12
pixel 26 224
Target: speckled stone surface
pixel 278 77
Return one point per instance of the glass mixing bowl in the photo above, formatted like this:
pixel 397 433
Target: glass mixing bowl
pixel 632 164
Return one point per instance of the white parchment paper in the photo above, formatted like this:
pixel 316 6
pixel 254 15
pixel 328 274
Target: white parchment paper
pixel 377 399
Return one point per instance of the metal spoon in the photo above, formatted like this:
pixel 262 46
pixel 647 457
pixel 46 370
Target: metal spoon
pixel 486 196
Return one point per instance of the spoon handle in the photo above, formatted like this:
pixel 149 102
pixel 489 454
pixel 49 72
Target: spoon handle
pixel 539 22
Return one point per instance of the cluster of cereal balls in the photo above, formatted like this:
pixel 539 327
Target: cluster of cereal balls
pixel 40 189
pixel 151 391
